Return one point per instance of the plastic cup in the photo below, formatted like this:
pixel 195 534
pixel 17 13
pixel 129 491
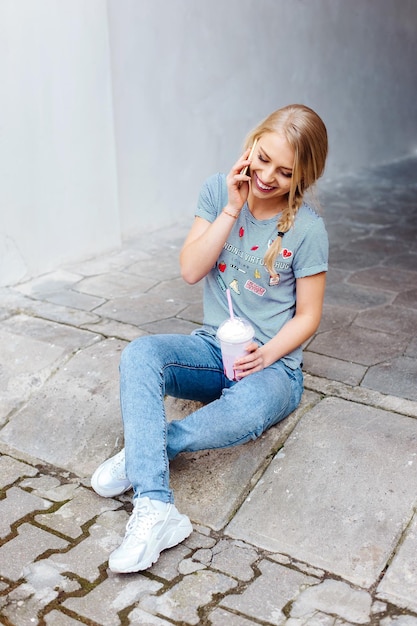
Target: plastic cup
pixel 234 334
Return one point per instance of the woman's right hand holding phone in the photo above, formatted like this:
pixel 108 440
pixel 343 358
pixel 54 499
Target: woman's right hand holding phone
pixel 238 184
pixel 206 239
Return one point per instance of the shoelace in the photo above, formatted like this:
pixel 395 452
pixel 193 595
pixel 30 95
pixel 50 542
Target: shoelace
pixel 142 519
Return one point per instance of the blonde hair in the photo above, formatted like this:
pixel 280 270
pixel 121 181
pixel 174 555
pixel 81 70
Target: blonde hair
pixel 306 134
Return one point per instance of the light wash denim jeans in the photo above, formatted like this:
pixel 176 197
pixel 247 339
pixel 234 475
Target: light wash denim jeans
pixel 190 367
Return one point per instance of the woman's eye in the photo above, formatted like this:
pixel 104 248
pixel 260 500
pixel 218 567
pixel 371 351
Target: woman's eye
pixel 261 158
pixel 287 174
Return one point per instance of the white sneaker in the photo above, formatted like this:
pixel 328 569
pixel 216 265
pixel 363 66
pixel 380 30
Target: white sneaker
pixel 110 478
pixel 153 526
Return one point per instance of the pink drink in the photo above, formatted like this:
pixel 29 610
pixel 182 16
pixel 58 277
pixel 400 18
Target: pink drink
pixel 234 334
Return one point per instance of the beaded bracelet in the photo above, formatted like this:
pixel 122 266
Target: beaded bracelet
pixel 230 214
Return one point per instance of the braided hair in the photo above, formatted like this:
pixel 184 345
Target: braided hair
pixel 306 134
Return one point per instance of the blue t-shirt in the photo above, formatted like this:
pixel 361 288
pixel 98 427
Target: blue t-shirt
pixel 267 302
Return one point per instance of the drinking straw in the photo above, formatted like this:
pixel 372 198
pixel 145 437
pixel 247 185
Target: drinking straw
pixel 229 300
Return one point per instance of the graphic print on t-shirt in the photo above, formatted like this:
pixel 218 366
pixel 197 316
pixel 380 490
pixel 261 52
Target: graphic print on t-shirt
pixel 221 282
pixel 235 286
pixel 235 271
pixel 254 288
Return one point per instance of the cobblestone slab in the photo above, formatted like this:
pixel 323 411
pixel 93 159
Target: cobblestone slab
pixel 50 487
pixel 32 350
pixel 85 406
pixel 11 470
pixel 57 618
pixel 182 601
pixel 16 505
pixel 25 364
pixel 178 289
pixel 390 319
pixel 37 308
pixel 220 617
pixel 270 595
pixel 399 582
pixel 359 345
pixel 412 348
pixel 114 261
pixel 141 309
pixel 112 328
pixel 333 369
pixel 114 285
pixel 61 314
pixel 173 562
pixel 211 497
pixel 408 298
pixel 355 297
pixel 397 376
pixel 22 550
pixel 69 519
pixel 332 597
pixel 73 299
pixel 338 469
pixel 335 317
pixel 402 262
pixel 344 259
pixel 137 616
pixel 385 278
pixel 52 333
pixel 399 620
pixel 171 325
pixel 361 395
pixel 234 558
pixel 52 282
pixel 90 556
pixel 43 585
pixel 167 267
pixel 193 313
pixel 104 603
pixel 59 288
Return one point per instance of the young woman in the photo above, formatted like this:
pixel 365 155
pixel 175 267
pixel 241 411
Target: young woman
pixel 253 234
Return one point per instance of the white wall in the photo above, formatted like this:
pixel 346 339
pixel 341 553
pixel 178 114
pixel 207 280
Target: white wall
pixel 191 78
pixel 58 194
pixel 113 112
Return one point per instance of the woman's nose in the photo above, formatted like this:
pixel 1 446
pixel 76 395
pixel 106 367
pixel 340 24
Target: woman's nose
pixel 268 173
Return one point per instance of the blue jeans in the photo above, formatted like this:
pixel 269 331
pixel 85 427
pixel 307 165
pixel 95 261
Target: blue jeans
pixel 190 367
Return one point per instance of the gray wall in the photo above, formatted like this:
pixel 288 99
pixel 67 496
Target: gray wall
pixel 58 184
pixel 191 78
pixel 113 113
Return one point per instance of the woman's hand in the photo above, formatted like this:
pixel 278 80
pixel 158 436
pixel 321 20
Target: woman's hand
pixel 206 239
pixel 252 362
pixel 309 305
pixel 238 184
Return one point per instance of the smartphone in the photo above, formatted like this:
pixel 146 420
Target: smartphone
pixel 245 170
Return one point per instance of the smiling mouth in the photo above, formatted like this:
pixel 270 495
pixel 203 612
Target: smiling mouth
pixel 262 186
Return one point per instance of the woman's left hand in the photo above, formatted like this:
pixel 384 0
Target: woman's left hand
pixel 251 363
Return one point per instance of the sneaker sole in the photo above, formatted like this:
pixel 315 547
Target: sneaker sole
pixel 177 536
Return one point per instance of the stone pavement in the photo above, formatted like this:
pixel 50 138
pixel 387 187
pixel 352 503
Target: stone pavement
pixel 315 523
